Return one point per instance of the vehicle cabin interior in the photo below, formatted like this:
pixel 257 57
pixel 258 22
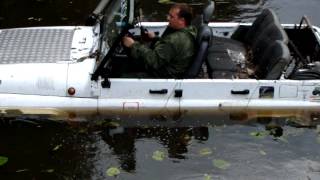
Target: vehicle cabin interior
pixel 263 50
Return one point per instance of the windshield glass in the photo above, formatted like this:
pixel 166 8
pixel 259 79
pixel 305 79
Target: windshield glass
pixel 115 17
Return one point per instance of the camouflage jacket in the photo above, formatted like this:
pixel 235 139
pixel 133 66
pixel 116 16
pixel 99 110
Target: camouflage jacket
pixel 171 55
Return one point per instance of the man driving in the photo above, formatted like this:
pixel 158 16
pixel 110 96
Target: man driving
pixel 173 52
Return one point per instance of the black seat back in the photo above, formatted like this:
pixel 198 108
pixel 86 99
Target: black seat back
pixel 262 21
pixel 204 37
pixel 274 60
pixel 271 33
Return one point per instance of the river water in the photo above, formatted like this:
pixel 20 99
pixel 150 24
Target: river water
pixel 228 146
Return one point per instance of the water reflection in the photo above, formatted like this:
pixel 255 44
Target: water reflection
pixel 176 140
pixel 44 151
pixel 226 10
pixel 224 146
pixel 75 12
pixel 247 145
pixel 44 12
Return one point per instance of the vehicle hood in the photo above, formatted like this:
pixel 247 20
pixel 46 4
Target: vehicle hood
pixel 45 60
pixel 45 44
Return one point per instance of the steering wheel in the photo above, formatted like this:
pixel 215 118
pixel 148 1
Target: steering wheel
pixel 117 47
pixel 114 49
pixel 121 50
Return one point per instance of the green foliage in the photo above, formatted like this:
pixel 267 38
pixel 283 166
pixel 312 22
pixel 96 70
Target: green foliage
pixel 260 135
pixel 158 155
pixel 165 2
pixel 262 152
pixel 205 151
pixel 3 160
pixel 57 147
pixel 49 170
pixel 221 164
pixel 207 177
pixel 113 171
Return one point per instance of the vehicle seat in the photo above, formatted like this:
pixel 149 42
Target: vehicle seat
pixel 204 38
pixel 271 33
pixel 266 17
pixel 273 61
pixel 223 56
pixel 307 74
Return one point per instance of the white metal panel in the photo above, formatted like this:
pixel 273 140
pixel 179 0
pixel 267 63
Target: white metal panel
pixel 35 79
pixel 84 42
pixel 288 91
pixel 278 104
pixel 79 77
pixel 133 96
pixel 216 94
pixel 47 105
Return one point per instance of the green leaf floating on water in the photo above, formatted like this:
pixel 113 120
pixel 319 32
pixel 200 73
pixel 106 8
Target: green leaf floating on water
pixel 283 139
pixel 3 160
pixel 49 170
pixel 318 139
pixel 21 170
pixel 260 135
pixel 113 171
pixel 262 152
pixel 205 151
pixel 318 129
pixel 165 2
pixel 57 147
pixel 158 155
pixel 207 177
pixel 221 164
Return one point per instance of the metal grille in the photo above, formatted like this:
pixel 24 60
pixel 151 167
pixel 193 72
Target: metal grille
pixel 35 45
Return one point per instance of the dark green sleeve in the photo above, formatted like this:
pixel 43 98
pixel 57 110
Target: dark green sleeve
pixel 155 58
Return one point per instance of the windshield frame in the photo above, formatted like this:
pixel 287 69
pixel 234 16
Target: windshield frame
pixel 108 17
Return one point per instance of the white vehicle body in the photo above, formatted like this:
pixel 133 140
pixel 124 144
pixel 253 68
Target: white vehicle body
pixel 38 81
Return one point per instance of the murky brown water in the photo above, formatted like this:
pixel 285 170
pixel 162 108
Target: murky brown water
pixel 230 146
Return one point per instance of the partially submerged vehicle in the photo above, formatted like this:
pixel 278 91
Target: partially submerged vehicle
pixel 74 71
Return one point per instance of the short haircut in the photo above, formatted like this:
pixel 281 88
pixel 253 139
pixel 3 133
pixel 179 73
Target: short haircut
pixel 185 11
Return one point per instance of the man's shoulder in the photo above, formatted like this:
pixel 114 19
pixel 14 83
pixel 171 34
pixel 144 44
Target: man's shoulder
pixel 185 33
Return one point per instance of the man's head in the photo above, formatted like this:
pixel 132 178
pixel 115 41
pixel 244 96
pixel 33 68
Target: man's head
pixel 180 16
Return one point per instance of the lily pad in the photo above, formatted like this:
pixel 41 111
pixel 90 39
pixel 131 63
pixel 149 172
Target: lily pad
pixel 114 124
pixel 3 160
pixel 221 164
pixel 49 170
pixel 158 155
pixel 318 129
pixel 283 139
pixel 207 177
pixel 113 171
pixel 260 135
pixel 205 151
pixel 165 2
pixel 21 170
pixel 262 152
pixel 57 147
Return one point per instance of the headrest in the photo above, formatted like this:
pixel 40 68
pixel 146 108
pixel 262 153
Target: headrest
pixel 208 12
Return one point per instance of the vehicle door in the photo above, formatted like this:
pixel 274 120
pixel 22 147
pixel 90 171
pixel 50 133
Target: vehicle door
pixel 141 96
pixel 211 95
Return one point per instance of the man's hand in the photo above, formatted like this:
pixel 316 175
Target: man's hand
pixel 151 35
pixel 127 41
